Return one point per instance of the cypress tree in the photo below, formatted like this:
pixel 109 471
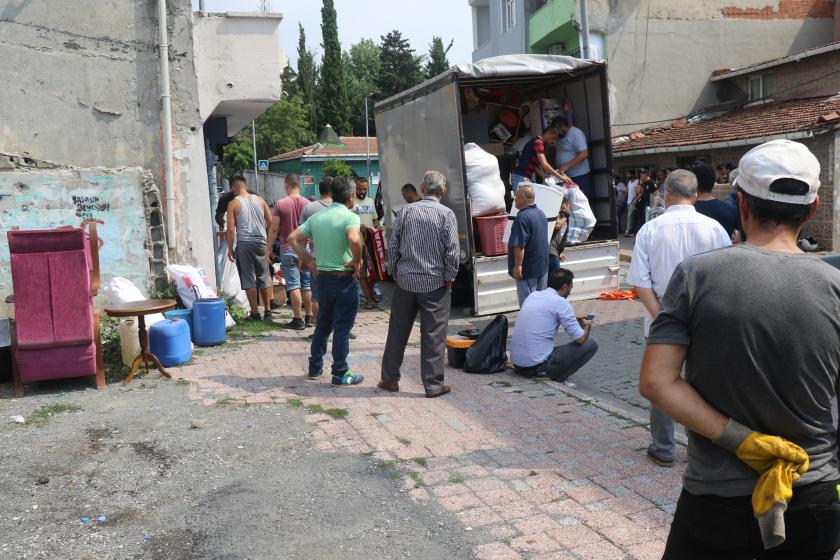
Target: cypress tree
pixel 306 78
pixel 333 105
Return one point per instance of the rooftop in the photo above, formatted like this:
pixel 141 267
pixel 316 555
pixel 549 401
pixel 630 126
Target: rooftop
pixel 791 119
pixel 353 146
pixel 727 73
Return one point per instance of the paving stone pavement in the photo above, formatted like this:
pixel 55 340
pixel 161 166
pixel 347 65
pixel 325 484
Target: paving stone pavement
pixel 541 470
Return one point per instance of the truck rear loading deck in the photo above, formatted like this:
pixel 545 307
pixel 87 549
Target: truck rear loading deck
pixel 427 126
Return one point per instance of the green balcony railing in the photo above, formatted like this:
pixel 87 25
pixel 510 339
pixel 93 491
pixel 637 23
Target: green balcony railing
pixel 551 24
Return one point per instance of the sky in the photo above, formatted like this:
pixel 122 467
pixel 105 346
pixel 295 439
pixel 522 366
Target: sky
pixel 359 19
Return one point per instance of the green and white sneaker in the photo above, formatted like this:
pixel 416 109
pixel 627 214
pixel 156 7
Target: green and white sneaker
pixel 349 378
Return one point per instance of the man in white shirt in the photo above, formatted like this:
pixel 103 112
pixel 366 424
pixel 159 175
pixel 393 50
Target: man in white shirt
pixel 571 155
pixel 532 347
pixel 661 245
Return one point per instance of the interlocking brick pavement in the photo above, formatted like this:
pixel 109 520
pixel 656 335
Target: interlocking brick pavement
pixel 538 469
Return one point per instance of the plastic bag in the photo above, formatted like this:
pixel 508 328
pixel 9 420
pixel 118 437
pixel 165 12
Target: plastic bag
pixel 581 218
pixel 487 191
pixel 489 352
pixel 122 290
pixel 191 282
pixel 229 278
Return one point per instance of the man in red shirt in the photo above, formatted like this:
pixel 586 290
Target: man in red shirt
pixel 285 220
pixel 532 159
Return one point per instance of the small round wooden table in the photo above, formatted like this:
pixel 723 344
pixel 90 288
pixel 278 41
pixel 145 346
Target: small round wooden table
pixel 140 309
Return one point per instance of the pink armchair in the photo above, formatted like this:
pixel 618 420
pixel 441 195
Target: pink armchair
pixel 55 274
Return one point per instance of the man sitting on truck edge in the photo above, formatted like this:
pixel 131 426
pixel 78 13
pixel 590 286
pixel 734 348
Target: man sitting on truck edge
pixel 532 347
pixel 533 157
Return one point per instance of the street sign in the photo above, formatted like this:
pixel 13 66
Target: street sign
pixel 263 165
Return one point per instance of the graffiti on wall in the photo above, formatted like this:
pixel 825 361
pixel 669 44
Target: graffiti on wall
pixel 46 199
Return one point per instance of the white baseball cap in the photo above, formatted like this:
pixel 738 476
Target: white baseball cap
pixel 779 159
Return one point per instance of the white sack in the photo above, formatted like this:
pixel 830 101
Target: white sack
pixel 122 290
pixel 487 191
pixel 188 281
pixel 229 278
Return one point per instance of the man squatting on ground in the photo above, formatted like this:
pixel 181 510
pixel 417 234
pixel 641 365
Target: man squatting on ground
pixel 248 216
pixel 532 347
pixel 756 326
pixel 338 258
pixel 423 255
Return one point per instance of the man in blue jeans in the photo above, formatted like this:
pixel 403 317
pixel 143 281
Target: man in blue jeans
pixel 338 256
pixel 528 245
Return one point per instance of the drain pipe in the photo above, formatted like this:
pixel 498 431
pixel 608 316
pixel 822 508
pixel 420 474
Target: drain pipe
pixel 166 109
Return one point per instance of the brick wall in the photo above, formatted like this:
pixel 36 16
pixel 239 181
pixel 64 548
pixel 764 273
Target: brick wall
pixel 816 73
pixel 787 9
pixel 820 228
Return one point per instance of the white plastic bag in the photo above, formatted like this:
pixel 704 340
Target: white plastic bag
pixel 122 290
pixel 191 281
pixel 581 219
pixel 487 191
pixel 229 278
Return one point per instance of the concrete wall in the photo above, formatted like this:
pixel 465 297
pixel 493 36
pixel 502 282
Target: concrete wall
pixel 825 227
pixel 514 41
pixel 662 52
pixel 37 195
pixel 86 93
pixel 226 85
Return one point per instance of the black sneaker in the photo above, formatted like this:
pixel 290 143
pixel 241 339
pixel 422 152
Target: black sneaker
pixel 315 375
pixel 349 378
pixel 295 324
pixel 267 316
pixel 255 316
pixel 352 336
pixel 307 321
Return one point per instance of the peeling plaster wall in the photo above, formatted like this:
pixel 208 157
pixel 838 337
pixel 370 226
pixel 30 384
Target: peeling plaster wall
pixel 38 195
pixel 82 88
pixel 661 53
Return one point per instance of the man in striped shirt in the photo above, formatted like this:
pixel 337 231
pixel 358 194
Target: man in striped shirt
pixel 423 257
pixel 532 159
pixel 661 245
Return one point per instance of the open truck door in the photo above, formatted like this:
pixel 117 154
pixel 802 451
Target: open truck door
pixel 427 126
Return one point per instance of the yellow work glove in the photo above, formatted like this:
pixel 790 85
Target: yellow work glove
pixel 779 463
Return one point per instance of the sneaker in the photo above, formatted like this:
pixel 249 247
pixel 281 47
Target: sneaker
pixel 667 463
pixel 349 378
pixel 295 324
pixel 267 316
pixel 352 336
pixel 307 321
pixel 315 375
pixel 255 316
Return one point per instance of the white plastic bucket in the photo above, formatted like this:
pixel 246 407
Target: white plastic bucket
pixel 129 340
pixel 549 200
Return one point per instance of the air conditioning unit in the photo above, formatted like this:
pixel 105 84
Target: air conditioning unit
pixel 557 49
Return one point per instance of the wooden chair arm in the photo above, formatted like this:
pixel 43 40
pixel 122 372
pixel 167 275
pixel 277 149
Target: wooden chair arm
pixel 95 244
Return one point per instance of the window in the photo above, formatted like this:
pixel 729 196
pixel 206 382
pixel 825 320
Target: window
pixel 762 86
pixel 508 15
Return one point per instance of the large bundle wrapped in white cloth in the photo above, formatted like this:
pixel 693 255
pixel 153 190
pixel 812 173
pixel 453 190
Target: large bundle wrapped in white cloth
pixel 487 191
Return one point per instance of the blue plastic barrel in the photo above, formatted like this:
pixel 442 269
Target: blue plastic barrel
pixel 185 314
pixel 209 322
pixel 169 340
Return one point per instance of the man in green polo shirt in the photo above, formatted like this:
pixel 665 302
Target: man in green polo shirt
pixel 335 232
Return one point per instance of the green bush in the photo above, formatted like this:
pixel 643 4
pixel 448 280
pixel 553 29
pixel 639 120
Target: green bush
pixel 336 168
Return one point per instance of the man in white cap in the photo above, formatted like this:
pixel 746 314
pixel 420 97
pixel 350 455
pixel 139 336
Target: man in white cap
pixel 757 327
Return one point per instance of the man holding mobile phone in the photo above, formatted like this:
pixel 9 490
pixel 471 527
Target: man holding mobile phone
pixel 532 348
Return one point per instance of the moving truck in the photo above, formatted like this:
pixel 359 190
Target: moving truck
pixel 494 103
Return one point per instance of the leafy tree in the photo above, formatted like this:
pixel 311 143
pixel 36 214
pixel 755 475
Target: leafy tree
pixel 282 128
pixel 238 156
pixel 289 81
pixel 332 86
pixel 437 61
pixel 363 67
pixel 400 69
pixel 307 75
pixel 337 168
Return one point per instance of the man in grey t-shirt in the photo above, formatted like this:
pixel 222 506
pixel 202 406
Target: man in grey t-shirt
pixel 758 329
pixel 308 211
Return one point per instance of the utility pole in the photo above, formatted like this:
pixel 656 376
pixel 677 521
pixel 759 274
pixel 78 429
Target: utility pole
pixel 256 170
pixel 584 30
pixel 367 135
